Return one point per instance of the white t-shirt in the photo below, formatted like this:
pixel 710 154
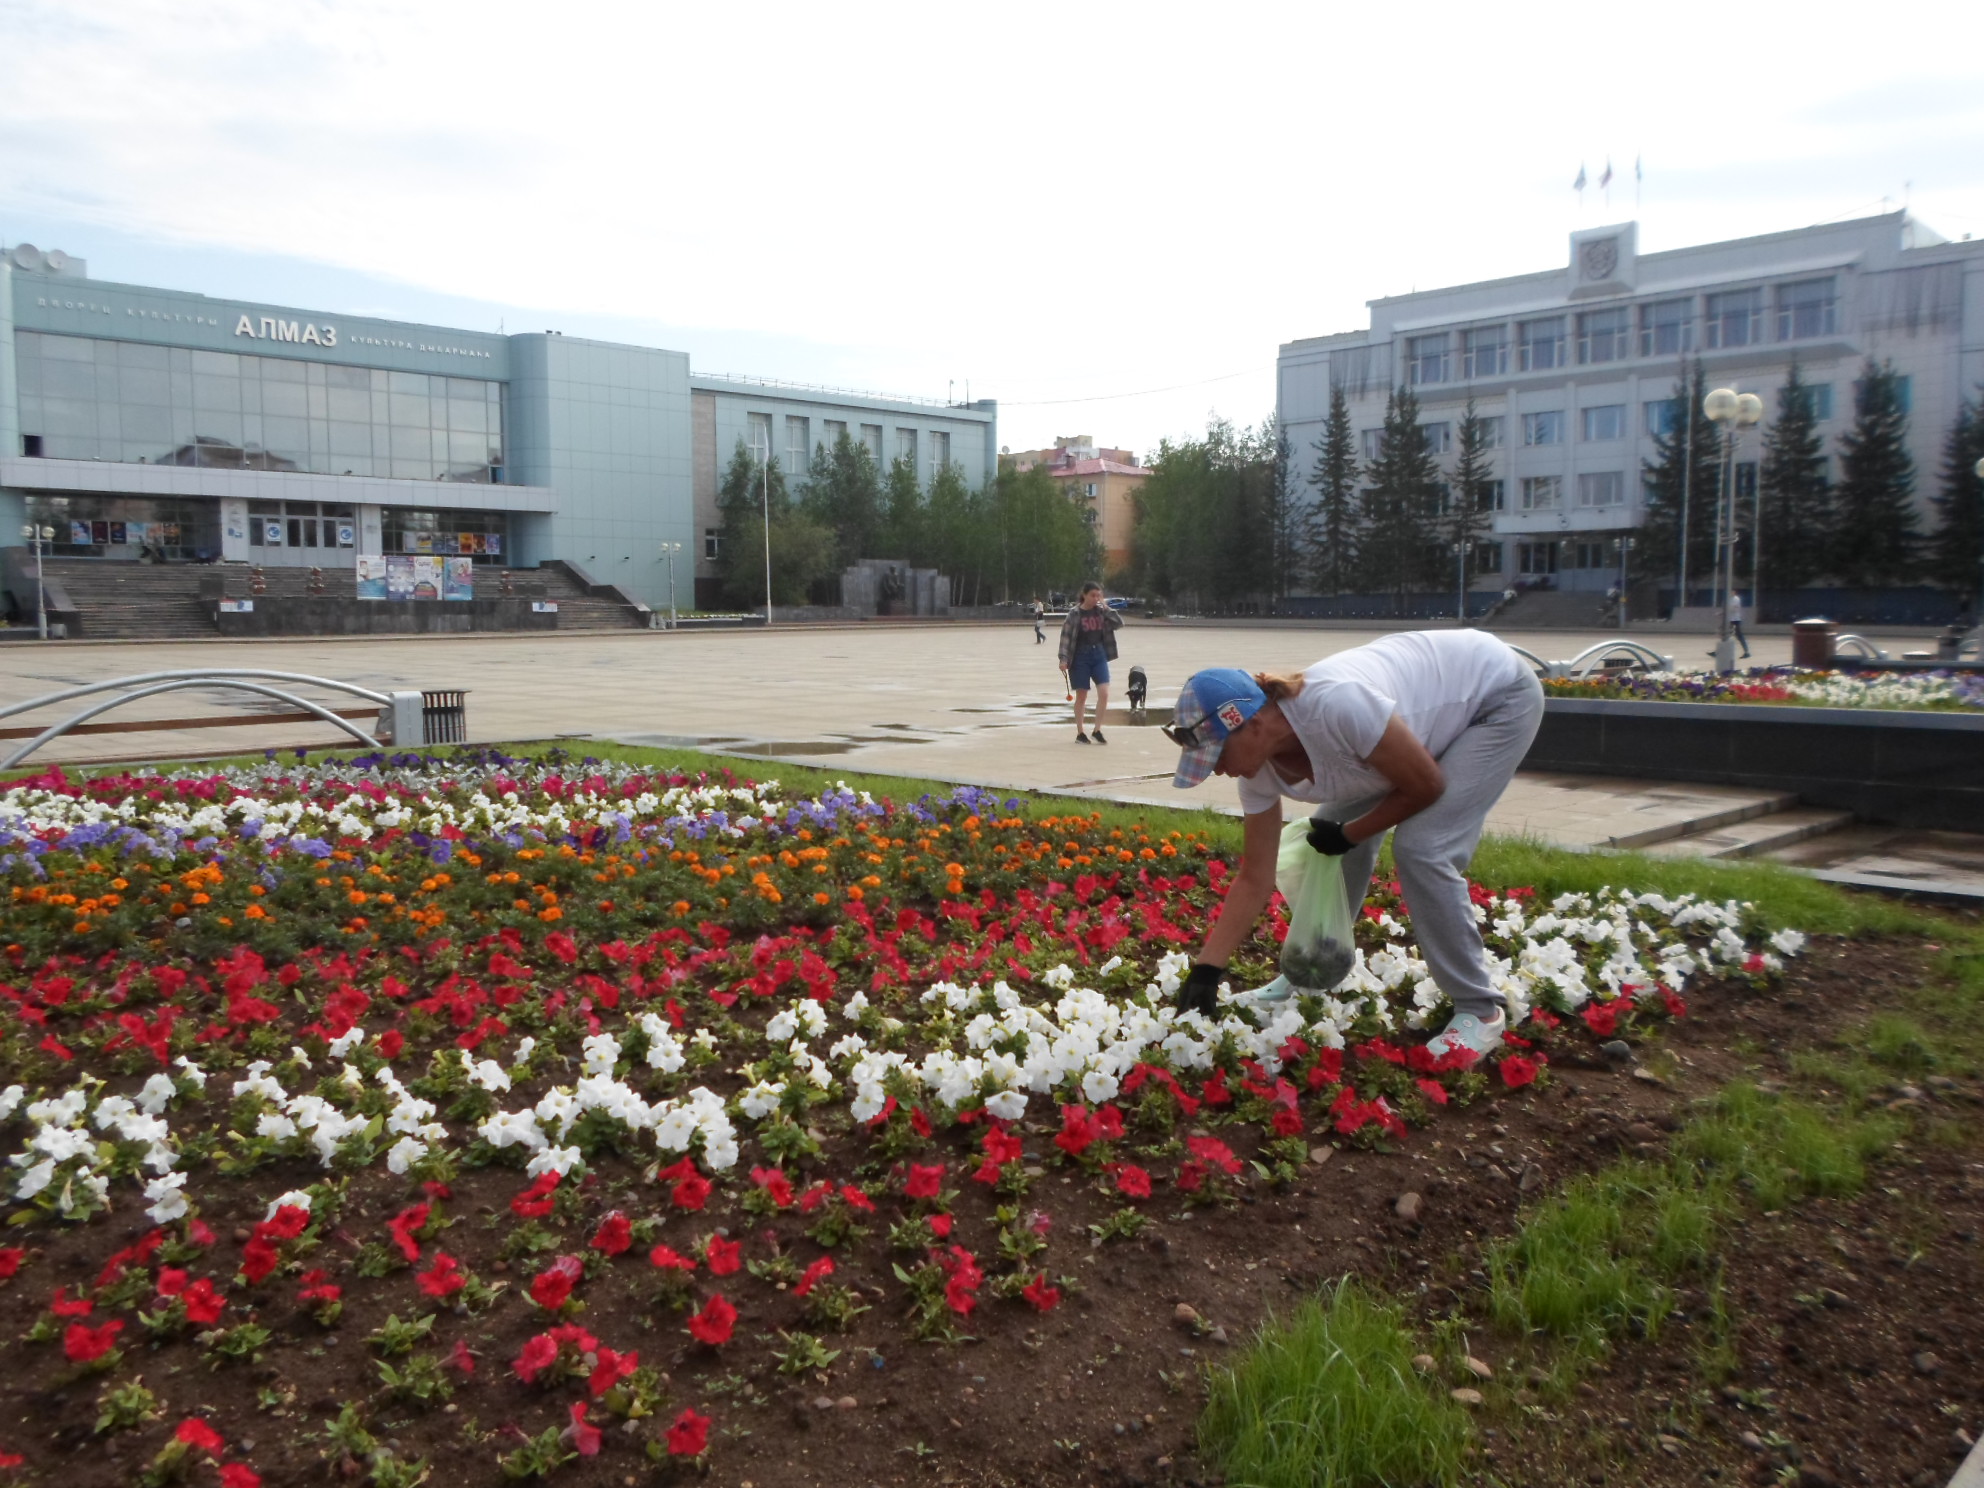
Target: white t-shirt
pixel 1735 608
pixel 1436 681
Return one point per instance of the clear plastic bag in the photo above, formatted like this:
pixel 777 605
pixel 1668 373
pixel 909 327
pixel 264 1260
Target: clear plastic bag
pixel 1320 949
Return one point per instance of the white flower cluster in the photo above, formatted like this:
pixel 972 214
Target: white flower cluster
pixel 62 1154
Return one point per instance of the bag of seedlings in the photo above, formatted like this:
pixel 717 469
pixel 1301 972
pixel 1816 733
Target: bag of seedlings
pixel 1319 951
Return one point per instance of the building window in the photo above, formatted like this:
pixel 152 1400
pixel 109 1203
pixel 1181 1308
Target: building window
pixel 1371 440
pixel 1605 421
pixel 1541 343
pixel 1603 335
pixel 1487 351
pixel 1439 438
pixel 1542 492
pixel 1602 488
pixel 712 543
pixel 1426 356
pixel 1487 557
pixel 1543 428
pixel 871 435
pixel 1663 416
pixel 1601 554
pixel 1491 431
pixel 906 447
pixel 1735 318
pixel 940 449
pixel 1536 559
pixel 1904 392
pixel 1818 400
pixel 833 431
pixel 1667 328
pixel 1806 309
pixel 761 437
pixel 1490 496
pixel 798 453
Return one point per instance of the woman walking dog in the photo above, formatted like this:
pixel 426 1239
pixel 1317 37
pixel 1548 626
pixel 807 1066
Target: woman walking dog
pixel 1415 733
pixel 1088 645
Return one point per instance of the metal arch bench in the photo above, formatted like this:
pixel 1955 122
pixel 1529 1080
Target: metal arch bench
pixel 412 718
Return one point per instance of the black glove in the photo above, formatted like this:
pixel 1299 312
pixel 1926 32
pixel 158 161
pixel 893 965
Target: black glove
pixel 1199 992
pixel 1327 838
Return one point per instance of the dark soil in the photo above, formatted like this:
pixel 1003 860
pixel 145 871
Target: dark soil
pixel 1105 1389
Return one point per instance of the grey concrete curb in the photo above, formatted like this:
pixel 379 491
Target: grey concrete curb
pixel 1971 1474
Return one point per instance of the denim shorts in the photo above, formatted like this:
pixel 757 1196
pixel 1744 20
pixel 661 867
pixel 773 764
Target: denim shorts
pixel 1090 667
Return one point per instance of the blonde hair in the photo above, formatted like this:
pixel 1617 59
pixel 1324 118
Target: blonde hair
pixel 1279 686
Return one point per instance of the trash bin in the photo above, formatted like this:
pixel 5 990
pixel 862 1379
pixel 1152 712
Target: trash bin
pixel 444 717
pixel 1811 644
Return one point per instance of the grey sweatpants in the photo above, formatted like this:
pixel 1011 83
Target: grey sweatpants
pixel 1432 849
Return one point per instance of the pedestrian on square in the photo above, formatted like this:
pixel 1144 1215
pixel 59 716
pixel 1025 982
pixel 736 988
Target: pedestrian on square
pixel 1415 733
pixel 1088 645
pixel 1039 622
pixel 1734 610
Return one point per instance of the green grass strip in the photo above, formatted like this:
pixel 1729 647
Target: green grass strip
pixel 1327 1398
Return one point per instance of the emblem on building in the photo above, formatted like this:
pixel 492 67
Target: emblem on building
pixel 1599 259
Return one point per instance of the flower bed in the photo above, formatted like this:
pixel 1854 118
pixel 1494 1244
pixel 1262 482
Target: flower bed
pixel 1937 691
pixel 463 1083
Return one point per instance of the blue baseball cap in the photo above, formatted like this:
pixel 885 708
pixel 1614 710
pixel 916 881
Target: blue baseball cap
pixel 1212 705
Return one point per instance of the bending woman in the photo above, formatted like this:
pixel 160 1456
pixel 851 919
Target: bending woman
pixel 1416 733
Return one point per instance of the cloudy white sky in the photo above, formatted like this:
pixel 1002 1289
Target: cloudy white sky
pixel 1107 216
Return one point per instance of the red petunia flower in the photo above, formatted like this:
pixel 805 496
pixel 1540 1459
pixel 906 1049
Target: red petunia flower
pixel 444 1278
pixel 584 1438
pixel 1518 1070
pixel 691 1190
pixel 689 1436
pixel 815 1274
pixel 774 1182
pixel 535 1201
pixel 611 1369
pixel 258 1258
pixel 714 1323
pixel 317 1286
pixel 537 1355
pixel 724 1256
pixel 288 1222
pixel 925 1181
pixel 940 1225
pixel 668 1259
pixel 239 1475
pixel 197 1433
pixel 204 1305
pixel 1132 1181
pixel 1044 1297
pixel 461 1358
pixel 63 1305
pixel 390 1043
pixel 552 1287
pixel 614 1235
pixel 406 1225
pixel 1214 1153
pixel 172 1281
pixel 1287 1122
pixel 85 1345
pixel 854 1198
pixel 11 1257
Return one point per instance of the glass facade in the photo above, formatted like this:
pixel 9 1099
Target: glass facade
pixel 481 535
pixel 128 526
pixel 84 399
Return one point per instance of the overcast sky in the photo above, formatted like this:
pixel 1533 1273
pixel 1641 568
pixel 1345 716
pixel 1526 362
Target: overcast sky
pixel 1106 216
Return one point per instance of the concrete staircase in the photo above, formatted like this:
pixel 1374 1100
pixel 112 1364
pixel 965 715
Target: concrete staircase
pixel 1765 830
pixel 112 600
pixel 1553 609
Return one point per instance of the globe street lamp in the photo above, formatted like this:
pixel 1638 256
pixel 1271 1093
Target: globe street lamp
pixel 1731 412
pixel 38 536
pixel 668 551
pixel 1624 545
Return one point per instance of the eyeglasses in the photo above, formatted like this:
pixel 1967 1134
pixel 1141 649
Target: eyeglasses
pixel 1186 735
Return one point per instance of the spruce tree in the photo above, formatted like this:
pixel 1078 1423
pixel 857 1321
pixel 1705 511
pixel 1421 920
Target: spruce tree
pixel 1796 543
pixel 1957 548
pixel 1403 483
pixel 1875 541
pixel 1468 513
pixel 1330 533
pixel 1686 458
pixel 843 494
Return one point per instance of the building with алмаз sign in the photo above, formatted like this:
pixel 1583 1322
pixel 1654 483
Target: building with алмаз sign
pixel 153 423
pixel 1575 368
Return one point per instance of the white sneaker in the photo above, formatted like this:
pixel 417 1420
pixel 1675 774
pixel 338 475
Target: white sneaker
pixel 1260 999
pixel 1469 1034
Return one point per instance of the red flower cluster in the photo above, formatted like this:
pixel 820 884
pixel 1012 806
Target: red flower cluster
pixel 714 1323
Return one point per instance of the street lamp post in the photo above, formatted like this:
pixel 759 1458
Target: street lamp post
pixel 766 467
pixel 39 537
pixel 1460 581
pixel 1731 412
pixel 668 551
pixel 1625 547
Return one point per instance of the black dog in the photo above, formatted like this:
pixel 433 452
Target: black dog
pixel 1139 686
